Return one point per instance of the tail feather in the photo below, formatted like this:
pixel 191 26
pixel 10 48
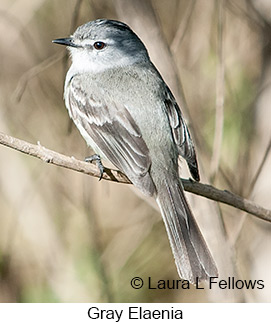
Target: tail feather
pixel 193 259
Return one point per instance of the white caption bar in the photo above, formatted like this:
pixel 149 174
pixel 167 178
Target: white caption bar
pixel 111 312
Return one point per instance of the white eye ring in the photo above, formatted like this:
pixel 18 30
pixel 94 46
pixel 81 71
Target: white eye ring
pixel 99 45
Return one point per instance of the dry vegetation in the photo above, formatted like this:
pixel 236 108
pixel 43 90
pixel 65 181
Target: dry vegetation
pixel 65 236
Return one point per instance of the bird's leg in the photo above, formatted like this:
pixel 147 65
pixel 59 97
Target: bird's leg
pixel 96 158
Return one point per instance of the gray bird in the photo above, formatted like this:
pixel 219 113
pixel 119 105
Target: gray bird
pixel 128 115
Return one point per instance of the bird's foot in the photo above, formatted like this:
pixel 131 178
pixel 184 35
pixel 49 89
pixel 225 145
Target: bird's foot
pixel 96 158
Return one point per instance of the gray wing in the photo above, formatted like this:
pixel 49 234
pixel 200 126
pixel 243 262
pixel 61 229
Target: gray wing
pixel 111 128
pixel 181 134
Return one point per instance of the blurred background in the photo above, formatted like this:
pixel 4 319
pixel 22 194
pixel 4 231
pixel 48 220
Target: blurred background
pixel 64 236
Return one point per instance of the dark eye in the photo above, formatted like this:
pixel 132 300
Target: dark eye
pixel 99 45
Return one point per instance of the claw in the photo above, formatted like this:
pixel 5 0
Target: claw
pixel 98 161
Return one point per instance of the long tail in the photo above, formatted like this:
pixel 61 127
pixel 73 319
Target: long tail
pixel 193 259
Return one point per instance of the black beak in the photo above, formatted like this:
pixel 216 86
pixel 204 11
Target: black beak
pixel 65 41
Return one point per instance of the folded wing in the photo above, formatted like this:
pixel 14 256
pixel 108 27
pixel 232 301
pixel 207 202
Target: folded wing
pixel 110 127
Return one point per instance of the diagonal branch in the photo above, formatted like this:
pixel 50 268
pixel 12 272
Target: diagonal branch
pixel 205 190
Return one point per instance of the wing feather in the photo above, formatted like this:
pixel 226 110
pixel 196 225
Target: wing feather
pixel 181 134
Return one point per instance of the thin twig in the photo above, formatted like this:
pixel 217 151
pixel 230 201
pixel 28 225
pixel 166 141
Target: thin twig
pixel 182 28
pixel 219 122
pixel 227 197
pixel 205 190
pixel 75 15
pixel 52 157
pixel 32 72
